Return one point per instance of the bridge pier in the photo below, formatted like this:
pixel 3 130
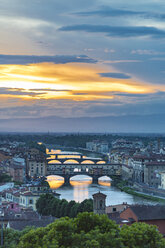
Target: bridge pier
pixel 67 180
pixel 95 179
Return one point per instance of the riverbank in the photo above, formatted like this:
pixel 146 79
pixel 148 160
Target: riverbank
pixel 124 186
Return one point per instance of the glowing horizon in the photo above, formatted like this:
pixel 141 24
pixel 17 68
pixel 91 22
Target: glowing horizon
pixel 66 81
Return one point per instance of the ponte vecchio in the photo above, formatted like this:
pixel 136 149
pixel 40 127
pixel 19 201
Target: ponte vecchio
pixel 69 164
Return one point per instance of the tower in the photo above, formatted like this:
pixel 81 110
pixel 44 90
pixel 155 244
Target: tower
pixel 99 203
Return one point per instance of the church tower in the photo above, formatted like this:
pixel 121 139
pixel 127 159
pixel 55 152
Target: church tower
pixel 99 203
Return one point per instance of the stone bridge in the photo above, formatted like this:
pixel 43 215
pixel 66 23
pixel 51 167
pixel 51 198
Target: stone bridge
pixel 72 157
pixel 93 170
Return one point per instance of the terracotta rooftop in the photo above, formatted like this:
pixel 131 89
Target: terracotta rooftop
pixel 148 212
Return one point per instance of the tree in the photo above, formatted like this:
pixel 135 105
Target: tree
pixel 47 204
pixel 43 204
pixel 12 237
pixel 141 235
pixel 89 230
pixel 74 210
pixel 62 208
pixel 68 208
pixel 54 206
pixel 4 178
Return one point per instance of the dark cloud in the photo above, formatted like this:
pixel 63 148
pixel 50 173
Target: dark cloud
pixel 18 91
pixel 47 90
pixel 115 75
pixel 58 59
pixel 110 12
pixel 115 12
pixel 117 31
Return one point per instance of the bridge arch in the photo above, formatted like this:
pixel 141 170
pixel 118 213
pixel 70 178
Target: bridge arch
pixel 80 180
pixel 101 162
pixel 104 181
pixel 71 161
pixel 87 162
pixel 55 182
pixel 54 162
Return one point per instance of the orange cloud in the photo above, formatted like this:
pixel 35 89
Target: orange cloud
pixel 78 82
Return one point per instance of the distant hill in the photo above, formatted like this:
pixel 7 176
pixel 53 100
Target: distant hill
pixel 129 123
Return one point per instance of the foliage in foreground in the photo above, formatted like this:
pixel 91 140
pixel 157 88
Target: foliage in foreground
pixel 12 237
pixel 92 231
pixel 47 204
pixel 88 230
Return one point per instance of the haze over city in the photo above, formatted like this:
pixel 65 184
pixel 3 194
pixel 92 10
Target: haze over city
pixel 90 66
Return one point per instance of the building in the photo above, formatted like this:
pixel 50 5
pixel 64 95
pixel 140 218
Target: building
pixel 162 180
pixel 127 172
pixel 36 164
pixel 99 206
pixel 116 208
pixel 152 215
pixel 16 171
pixel 26 197
pixel 152 173
pixel 97 146
pixel 18 218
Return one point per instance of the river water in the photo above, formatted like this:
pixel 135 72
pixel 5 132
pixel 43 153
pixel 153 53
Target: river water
pixel 81 188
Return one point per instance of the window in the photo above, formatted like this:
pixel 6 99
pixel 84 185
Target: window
pixel 114 209
pixel 30 201
pixel 101 204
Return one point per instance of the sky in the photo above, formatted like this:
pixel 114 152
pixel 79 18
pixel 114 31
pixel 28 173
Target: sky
pixel 82 59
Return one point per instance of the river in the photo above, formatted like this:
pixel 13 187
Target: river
pixel 81 188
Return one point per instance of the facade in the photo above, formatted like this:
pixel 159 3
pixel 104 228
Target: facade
pixel 26 197
pixel 99 206
pixel 138 167
pixel 17 172
pixel 36 164
pixel 152 215
pixel 152 173
pixel 127 172
pixel 97 146
pixel 162 180
pixel 116 208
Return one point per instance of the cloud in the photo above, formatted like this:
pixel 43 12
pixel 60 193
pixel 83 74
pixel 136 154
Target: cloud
pixel 110 12
pixel 115 75
pixel 106 11
pixel 18 92
pixel 120 61
pixel 146 52
pixel 109 50
pixel 44 89
pixel 117 31
pixel 57 59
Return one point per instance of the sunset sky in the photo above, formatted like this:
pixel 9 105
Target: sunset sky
pixel 82 58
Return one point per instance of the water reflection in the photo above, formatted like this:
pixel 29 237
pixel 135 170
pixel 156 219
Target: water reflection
pixel 55 182
pixel 105 183
pixel 80 187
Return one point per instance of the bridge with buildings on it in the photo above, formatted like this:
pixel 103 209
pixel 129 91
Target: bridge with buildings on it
pixel 69 164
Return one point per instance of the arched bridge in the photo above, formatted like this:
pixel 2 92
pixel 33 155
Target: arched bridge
pixel 93 170
pixel 72 157
pixel 69 164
